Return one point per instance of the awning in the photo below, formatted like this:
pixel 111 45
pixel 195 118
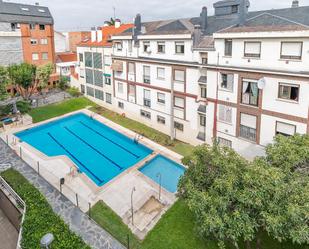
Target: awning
pixel 117 66
pixel 203 79
pixel 202 109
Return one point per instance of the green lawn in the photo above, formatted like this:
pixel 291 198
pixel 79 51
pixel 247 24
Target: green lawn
pixel 40 218
pixel 55 110
pixel 156 136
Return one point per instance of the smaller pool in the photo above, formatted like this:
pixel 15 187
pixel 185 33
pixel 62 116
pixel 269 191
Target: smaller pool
pixel 169 170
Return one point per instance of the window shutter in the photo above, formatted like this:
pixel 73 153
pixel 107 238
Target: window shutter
pixel 179 102
pixel 291 49
pixel 252 48
pixel 147 70
pixel 131 68
pixel 248 120
pixel 285 128
pixel 179 75
pixel 147 94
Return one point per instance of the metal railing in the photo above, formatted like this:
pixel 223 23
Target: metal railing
pixel 20 204
pixel 247 133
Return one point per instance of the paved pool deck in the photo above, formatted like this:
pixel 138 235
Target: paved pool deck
pixel 92 234
pixel 8 233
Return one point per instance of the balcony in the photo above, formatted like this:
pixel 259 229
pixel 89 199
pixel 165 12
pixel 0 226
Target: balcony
pixel 247 133
pixel 201 136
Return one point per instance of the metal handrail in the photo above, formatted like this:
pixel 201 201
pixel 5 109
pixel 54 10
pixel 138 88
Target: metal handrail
pixel 19 201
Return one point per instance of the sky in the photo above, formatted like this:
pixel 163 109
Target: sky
pixel 70 15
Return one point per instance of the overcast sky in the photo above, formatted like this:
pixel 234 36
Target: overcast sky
pixel 82 14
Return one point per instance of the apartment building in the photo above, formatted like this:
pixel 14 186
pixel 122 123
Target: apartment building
pixel 94 63
pixel 26 34
pixel 76 38
pixel 238 77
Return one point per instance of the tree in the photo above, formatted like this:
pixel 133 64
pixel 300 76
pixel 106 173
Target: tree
pixel 111 22
pixel 3 83
pixel 23 78
pixel 289 153
pixel 235 200
pixel 42 75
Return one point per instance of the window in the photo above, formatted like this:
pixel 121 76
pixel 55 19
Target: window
pixel 88 59
pixel 146 47
pixel 44 56
pixel 161 73
pixel 99 94
pixel 130 46
pixel 228 47
pixel 108 98
pixel 160 120
pixel 90 91
pixel 32 26
pixel 288 92
pixel 82 73
pixel 118 46
pixel 227 81
pixel 97 60
pixel 120 87
pixel 291 50
pixel 98 78
pixel 41 10
pixel 35 56
pixel 234 9
pixel 285 129
pixel 89 76
pixel 24 9
pixel 161 98
pixel 179 102
pixel 161 47
pixel 107 60
pixel 145 114
pixel 131 67
pixel 131 93
pixel 81 57
pixel 248 127
pixel 15 26
pixel 204 58
pixel 179 75
pixel 146 74
pixel 108 80
pixel 147 98
pixel 250 93
pixel 82 89
pixel 203 120
pixel 253 49
pixel 179 48
pixel 225 113
pixel 34 41
pixel 44 41
pixel 224 142
pixel 121 105
pixel 178 126
pixel 42 27
pixel 203 91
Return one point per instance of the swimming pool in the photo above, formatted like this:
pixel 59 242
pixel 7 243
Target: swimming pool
pixel 168 170
pixel 97 150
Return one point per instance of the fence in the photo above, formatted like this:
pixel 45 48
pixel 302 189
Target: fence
pixel 47 169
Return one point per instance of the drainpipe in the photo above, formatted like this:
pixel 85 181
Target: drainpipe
pixel 216 102
pixel 172 132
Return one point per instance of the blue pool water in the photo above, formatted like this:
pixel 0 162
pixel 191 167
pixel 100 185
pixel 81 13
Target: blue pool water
pixel 99 151
pixel 170 172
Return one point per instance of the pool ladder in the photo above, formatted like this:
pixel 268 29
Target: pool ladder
pixel 137 138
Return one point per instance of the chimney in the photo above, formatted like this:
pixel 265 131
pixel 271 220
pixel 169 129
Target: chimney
pixel 93 34
pixel 243 9
pixel 196 35
pixel 138 23
pixel 37 4
pixel 204 19
pixel 117 23
pixel 99 34
pixel 295 4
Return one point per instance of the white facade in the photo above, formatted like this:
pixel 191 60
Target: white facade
pixel 242 99
pixel 61 42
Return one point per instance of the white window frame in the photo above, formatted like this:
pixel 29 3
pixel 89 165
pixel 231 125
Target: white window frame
pixel 289 55
pixel 161 75
pixel 252 54
pixel 161 98
pixel 225 114
pixel 35 56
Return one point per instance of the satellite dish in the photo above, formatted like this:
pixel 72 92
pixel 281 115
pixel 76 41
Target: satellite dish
pixel 261 83
pixel 149 50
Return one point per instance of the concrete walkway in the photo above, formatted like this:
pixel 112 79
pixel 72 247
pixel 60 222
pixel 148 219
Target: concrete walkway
pixel 8 233
pixel 79 223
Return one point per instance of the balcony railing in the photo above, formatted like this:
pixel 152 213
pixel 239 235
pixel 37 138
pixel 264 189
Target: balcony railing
pixel 247 133
pixel 147 102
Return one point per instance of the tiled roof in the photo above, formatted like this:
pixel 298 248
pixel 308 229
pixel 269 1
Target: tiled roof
pixel 66 57
pixel 107 33
pixel 24 13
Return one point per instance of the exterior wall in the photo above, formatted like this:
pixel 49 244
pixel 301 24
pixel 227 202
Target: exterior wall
pixel 39 48
pixel 75 38
pixel 61 43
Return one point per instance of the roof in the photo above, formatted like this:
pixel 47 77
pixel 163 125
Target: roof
pixel 66 57
pixel 107 31
pixel 274 19
pixel 24 13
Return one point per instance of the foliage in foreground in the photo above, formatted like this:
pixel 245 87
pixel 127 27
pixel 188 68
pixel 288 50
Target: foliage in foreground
pixel 55 110
pixel 3 83
pixel 234 200
pixel 40 218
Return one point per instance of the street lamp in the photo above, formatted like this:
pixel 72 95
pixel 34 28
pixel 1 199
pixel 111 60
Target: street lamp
pixel 47 240
pixel 132 211
pixel 160 183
